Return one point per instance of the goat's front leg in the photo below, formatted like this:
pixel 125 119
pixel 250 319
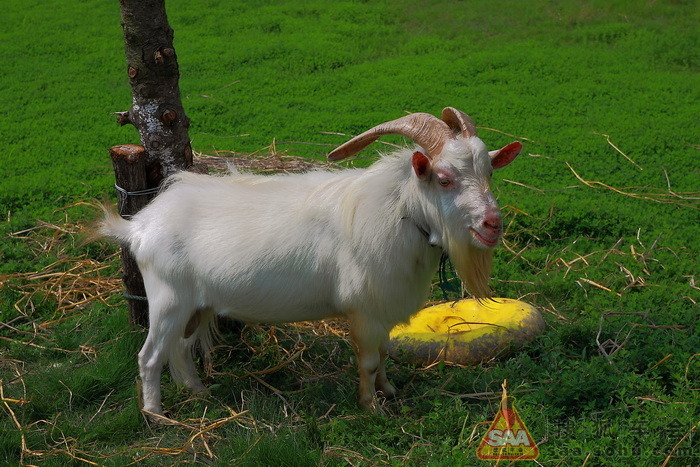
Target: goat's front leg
pixel 369 342
pixel 382 383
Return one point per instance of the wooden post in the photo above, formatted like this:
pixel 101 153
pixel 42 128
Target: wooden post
pixel 129 162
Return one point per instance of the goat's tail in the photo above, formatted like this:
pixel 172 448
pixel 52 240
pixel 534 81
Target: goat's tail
pixel 112 225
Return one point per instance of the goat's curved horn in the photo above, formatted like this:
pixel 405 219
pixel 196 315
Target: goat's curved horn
pixel 426 130
pixel 459 122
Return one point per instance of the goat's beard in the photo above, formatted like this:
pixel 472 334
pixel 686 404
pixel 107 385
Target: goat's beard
pixel 472 264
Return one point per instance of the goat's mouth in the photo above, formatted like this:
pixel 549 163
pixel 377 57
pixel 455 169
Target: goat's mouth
pixel 486 240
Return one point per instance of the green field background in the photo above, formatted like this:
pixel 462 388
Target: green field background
pixel 601 206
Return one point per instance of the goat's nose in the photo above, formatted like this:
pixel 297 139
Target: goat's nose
pixel 492 223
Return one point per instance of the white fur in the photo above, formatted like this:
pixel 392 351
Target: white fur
pixel 286 248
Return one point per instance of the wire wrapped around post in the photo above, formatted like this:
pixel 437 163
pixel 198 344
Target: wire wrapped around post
pixel 123 194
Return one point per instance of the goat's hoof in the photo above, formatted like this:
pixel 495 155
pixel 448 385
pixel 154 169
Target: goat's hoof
pixel 197 388
pixel 366 403
pixel 157 418
pixel 387 391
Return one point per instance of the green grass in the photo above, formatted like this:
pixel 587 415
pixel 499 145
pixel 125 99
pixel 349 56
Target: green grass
pixel 612 381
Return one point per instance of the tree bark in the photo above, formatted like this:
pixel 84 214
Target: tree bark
pixel 153 71
pixel 157 113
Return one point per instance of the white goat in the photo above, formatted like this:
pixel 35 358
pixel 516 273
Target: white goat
pixel 359 243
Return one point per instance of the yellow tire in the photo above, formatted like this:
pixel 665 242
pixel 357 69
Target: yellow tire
pixel 465 331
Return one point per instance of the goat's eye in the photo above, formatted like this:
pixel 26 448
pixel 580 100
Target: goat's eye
pixel 445 182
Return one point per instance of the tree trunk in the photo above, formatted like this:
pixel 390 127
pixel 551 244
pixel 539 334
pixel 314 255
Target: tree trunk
pixel 160 119
pixel 153 71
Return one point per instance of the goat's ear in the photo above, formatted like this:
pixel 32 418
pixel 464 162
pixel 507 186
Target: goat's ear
pixel 421 165
pixel 505 155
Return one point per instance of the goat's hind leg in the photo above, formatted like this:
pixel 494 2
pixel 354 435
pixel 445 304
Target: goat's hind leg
pixel 152 358
pixel 199 330
pixel 167 320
